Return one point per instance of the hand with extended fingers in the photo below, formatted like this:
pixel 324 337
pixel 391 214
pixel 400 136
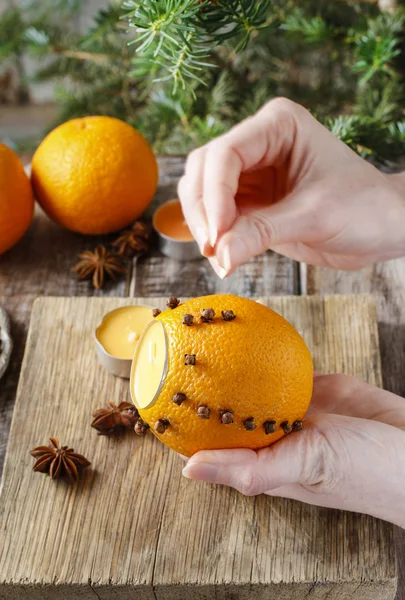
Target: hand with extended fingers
pixel 281 180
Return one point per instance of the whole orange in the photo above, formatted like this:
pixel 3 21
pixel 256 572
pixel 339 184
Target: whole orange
pixel 16 199
pixel 251 383
pixel 94 175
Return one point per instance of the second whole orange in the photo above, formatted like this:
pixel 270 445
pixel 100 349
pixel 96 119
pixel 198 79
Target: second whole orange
pixel 220 372
pixel 94 175
pixel 16 199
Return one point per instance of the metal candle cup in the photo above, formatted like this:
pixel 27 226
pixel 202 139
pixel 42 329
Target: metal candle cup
pixel 174 238
pixel 121 367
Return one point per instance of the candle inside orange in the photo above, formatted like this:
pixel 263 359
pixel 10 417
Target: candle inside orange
pixel 169 220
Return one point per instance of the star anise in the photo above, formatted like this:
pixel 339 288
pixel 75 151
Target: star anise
pixel 133 242
pixel 59 461
pixel 112 418
pixel 98 265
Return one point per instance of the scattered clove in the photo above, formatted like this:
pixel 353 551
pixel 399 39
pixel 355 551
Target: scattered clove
pixel 286 427
pixel 207 315
pixel 188 320
pixel 203 412
pixel 161 425
pixel 269 427
pixel 250 424
pixel 141 427
pixel 226 417
pixel 190 359
pixel 173 302
pixel 228 315
pixel 179 398
pixel 156 312
pixel 297 426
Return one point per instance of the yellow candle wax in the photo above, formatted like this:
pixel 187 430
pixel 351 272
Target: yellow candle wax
pixel 121 329
pixel 149 365
pixel 169 220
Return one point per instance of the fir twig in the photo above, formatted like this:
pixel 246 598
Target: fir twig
pixel 193 68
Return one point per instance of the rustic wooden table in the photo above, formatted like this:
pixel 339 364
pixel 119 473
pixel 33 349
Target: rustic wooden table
pixel 41 265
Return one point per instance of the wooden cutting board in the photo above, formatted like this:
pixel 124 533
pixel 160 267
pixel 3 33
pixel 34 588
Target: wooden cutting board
pixel 134 528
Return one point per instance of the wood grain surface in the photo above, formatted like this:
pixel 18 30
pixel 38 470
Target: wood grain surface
pixel 134 527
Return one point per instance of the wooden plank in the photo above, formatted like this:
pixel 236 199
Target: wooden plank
pixel 135 527
pixel 386 282
pixel 266 274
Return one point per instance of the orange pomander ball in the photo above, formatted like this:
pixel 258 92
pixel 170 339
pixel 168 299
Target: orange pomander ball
pixel 236 375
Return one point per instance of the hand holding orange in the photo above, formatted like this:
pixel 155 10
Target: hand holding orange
pixel 221 372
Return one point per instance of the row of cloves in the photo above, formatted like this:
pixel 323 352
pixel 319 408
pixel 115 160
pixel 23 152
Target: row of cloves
pixel 226 417
pixel 111 418
pixel 207 314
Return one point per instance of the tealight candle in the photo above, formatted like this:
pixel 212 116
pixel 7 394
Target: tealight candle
pixel 117 337
pixel 149 365
pixel 175 238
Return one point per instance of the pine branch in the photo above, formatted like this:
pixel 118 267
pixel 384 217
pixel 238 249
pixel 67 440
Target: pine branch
pixel 179 35
pixel 225 96
pixel 376 47
pixel 314 30
pixel 224 59
pixel 384 102
pixel 370 137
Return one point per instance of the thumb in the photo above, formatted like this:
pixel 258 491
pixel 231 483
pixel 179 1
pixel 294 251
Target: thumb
pixel 290 220
pixel 290 460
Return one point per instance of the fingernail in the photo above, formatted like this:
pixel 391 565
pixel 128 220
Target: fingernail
pixel 220 271
pixel 233 254
pixel 201 472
